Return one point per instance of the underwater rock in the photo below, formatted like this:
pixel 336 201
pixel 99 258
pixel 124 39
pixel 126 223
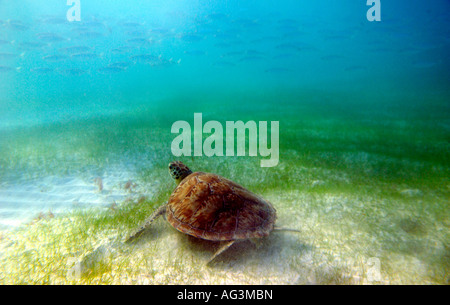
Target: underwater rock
pixel 92 260
pixel 96 260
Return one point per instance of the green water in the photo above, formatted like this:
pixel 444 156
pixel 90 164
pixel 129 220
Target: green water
pixel 358 184
pixel 364 125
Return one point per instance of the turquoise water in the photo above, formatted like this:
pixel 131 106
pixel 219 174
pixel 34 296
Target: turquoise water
pixel 55 70
pixel 86 108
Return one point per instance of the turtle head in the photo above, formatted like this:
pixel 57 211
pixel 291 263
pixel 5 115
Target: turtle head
pixel 179 171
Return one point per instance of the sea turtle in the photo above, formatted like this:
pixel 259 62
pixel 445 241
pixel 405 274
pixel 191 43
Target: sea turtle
pixel 213 208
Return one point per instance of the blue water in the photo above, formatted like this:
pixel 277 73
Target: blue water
pixel 118 56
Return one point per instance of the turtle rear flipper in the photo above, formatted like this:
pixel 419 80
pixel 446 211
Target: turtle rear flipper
pixel 276 228
pixel 158 212
pixel 224 246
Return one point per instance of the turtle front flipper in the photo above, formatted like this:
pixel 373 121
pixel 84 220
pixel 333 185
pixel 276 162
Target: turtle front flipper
pixel 158 212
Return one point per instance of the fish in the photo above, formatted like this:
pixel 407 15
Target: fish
pixel 53 20
pixel 50 37
pixel 332 57
pixel 284 56
pixel 288 46
pixel 265 39
pixel 122 65
pixel 123 49
pixel 233 53
pixel 139 41
pixel 16 25
pixel 251 58
pixel 254 53
pixel 110 70
pixel 136 33
pixel 222 45
pixel 287 21
pixel 89 35
pixel 42 70
pixel 245 22
pixel 144 58
pixel 195 52
pixel 131 24
pixel 160 31
pixel 288 29
pixel 4 69
pixel 84 56
pixel 223 63
pixel 224 36
pixel 339 37
pixel 425 64
pixel 93 23
pixel 56 57
pixel 153 60
pixel 162 62
pixel 76 49
pixel 31 45
pixel 190 37
pixel 355 68
pixel 72 72
pixel 206 32
pixel 80 29
pixel 278 70
pixel 9 55
pixel 216 16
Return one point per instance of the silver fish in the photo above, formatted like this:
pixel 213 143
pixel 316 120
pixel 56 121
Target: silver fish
pixel 110 70
pixel 4 69
pixel 55 57
pixel 84 56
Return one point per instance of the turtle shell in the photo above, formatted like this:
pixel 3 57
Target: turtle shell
pixel 211 207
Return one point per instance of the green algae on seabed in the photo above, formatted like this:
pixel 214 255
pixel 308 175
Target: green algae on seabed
pixel 359 188
pixel 334 247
